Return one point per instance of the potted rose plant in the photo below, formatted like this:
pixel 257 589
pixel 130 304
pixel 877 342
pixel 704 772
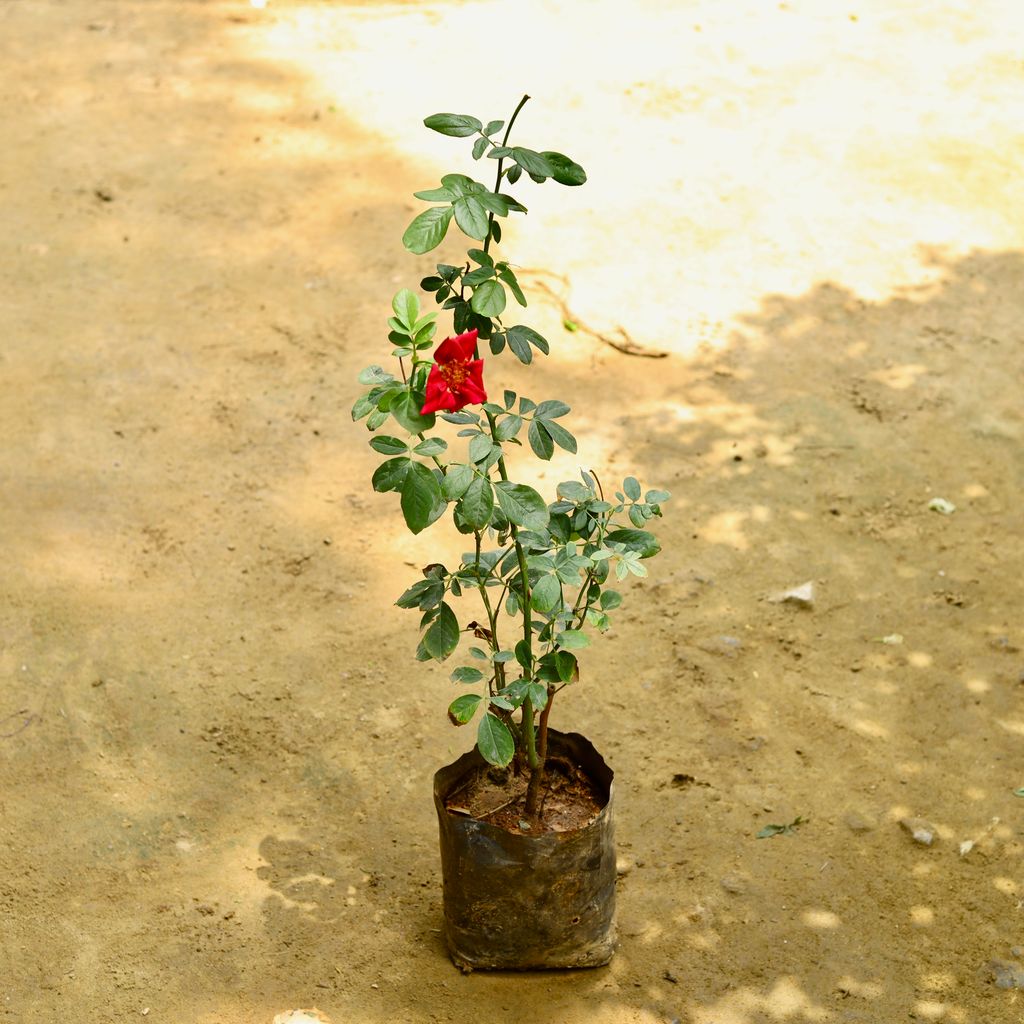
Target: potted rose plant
pixel 525 818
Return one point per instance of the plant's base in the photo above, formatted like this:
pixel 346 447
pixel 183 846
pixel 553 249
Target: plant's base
pixel 521 902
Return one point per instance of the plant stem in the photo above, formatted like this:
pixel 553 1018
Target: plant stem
pixel 499 667
pixel 537 774
pixel 497 180
pixel 527 707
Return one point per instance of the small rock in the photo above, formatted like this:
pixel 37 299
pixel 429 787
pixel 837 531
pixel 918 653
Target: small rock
pixel 921 831
pixel 802 596
pixel 623 866
pixel 966 846
pixel 734 884
pixel 943 507
pixel 1006 974
pixel 857 822
pixel 1017 951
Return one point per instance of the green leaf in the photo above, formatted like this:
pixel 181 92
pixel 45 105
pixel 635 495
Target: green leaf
pixel 568 667
pixel 457 478
pixel 523 653
pixel 406 307
pixel 488 299
pixel 376 419
pixel 427 230
pixel 477 503
pixel 540 440
pixel 471 217
pixel 442 637
pixel 460 417
pixel 478 276
pixel 781 830
pixel 436 195
pixel 431 446
pixel 564 170
pixel 432 284
pixel 610 600
pixel 656 497
pixel 532 162
pixel 560 436
pixel 552 410
pixel 479 146
pixel 493 126
pixel 538 694
pixel 459 126
pixel 572 639
pixel 522 505
pixel 494 203
pixel 463 708
pixel 375 375
pixel 421 498
pixel 467 675
pixel 520 346
pixel 495 741
pixel 388 445
pixel 406 410
pixel 573 491
pixel 546 593
pixel 632 488
pixel 423 594
pixel 513 172
pixel 643 543
pixel 480 447
pixel 390 475
pixel 508 427
pixel 512 281
pixel 521 338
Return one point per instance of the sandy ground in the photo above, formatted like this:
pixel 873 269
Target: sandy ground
pixel 215 747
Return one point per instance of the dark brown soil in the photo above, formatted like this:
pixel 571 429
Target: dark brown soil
pixel 570 801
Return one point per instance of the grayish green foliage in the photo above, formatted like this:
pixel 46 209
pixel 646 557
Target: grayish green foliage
pixel 546 564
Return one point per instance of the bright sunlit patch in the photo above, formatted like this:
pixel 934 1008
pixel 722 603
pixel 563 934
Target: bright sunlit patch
pixel 922 917
pixel 871 729
pixel 899 378
pixel 978 685
pixel 823 919
pixel 313 1016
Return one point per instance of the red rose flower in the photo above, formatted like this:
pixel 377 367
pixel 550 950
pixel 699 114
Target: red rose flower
pixel 456 378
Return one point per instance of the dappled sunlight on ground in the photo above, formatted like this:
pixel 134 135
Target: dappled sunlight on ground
pixel 814 213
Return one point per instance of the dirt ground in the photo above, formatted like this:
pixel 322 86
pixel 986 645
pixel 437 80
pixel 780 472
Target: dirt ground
pixel 215 746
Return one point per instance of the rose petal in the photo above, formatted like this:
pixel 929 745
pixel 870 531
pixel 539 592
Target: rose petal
pixel 461 348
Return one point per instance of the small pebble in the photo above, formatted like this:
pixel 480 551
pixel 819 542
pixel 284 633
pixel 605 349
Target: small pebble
pixel 921 831
pixel 802 596
pixel 1006 974
pixel 857 822
pixel 734 884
